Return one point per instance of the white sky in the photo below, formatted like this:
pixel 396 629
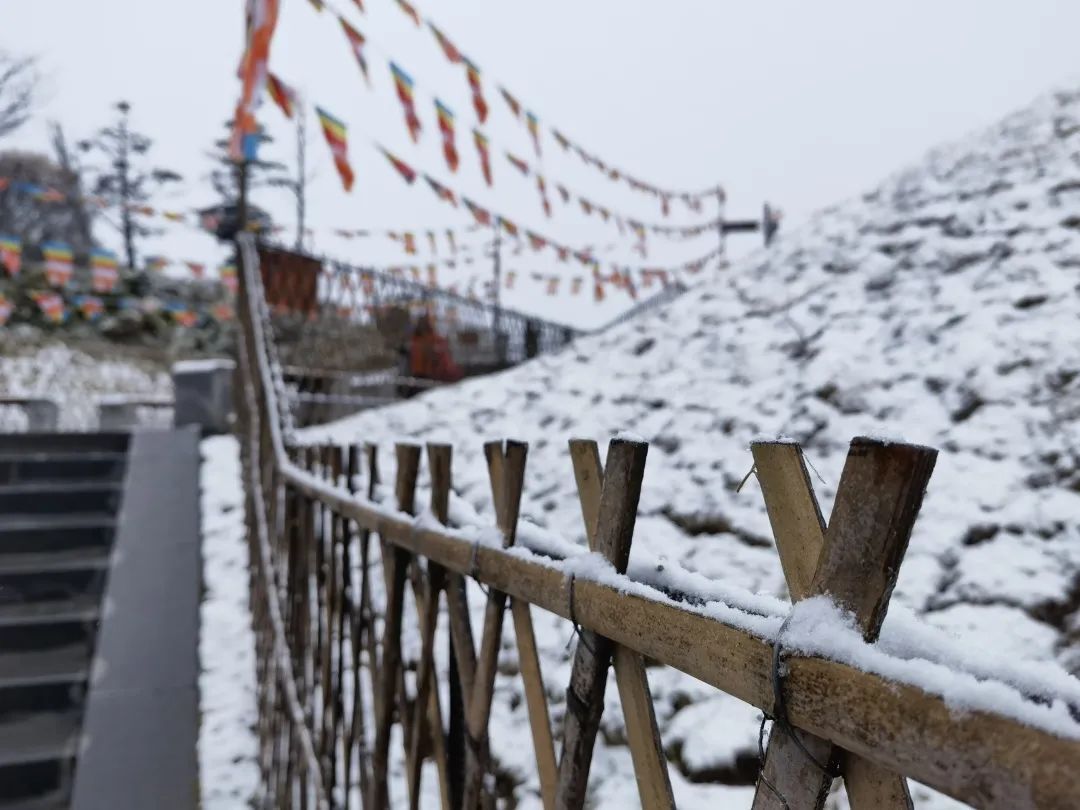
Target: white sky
pixel 798 103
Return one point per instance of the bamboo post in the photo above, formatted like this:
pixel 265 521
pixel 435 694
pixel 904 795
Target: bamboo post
pixel 856 561
pixel 506 470
pixel 428 712
pixel 643 735
pixel 588 677
pixel 396 562
pixel 350 621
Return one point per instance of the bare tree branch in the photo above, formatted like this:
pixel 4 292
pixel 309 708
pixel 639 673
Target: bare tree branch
pixel 18 83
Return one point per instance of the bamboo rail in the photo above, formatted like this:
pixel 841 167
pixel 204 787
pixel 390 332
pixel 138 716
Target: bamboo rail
pixel 333 681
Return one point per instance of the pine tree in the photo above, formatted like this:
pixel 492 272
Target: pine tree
pixel 126 183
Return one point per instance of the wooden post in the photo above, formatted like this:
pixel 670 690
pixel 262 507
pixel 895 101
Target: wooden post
pixel 856 561
pixel 643 735
pixel 506 469
pixel 396 561
pixel 588 677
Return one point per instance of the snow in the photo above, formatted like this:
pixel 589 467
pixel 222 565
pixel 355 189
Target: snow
pixel 229 772
pixel 937 307
pixel 208 364
pixel 75 380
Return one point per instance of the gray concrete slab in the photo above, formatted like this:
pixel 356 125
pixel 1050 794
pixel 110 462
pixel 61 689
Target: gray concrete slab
pixel 140 730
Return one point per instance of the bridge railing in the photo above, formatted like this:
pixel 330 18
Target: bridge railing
pixel 336 555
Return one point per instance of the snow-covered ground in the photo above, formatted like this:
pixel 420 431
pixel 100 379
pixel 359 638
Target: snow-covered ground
pixel 75 380
pixel 228 769
pixel 940 307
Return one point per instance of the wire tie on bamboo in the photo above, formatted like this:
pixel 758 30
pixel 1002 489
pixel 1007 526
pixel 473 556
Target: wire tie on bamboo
pixel 780 718
pixel 474 567
pixel 571 579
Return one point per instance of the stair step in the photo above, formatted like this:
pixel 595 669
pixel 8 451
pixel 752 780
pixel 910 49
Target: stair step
pixel 39 523
pixel 66 663
pixel 64 560
pixel 37 443
pixel 59 498
pixel 82 610
pixel 34 591
pixel 56 467
pixel 40 737
pixel 38 539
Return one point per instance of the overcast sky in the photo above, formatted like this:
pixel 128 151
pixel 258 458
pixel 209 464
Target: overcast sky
pixel 801 104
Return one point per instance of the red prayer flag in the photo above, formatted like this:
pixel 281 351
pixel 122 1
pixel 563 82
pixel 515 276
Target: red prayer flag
pixel 410 11
pixel 407 172
pixel 452 53
pixel 356 44
pixel 281 94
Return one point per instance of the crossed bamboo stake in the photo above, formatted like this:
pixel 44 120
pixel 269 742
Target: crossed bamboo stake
pixel 855 560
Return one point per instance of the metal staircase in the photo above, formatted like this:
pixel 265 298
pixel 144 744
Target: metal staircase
pixel 59 500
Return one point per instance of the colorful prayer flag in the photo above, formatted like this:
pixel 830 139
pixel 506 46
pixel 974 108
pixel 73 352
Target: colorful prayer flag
pixel 6 308
pixel 542 188
pixel 432 275
pixel 356 44
pixel 511 102
pixel 432 244
pixel 173 216
pixel 197 270
pixel 446 127
pixel 533 123
pixel 519 164
pixel 563 141
pixel 441 191
pixel 410 243
pixel 472 72
pixel 483 148
pixel 480 214
pixel 318 5
pixel 58 263
pixel 49 195
pixel 11 254
pixel 222 312
pixel 536 241
pixel 360 5
pixel 90 306
pixel 156 263
pixel 281 94
pixel 335 133
pixel 575 285
pixel 51 306
pixel 450 239
pixel 553 285
pixel 404 169
pixel 408 8
pixel 262 17
pixel 228 277
pixel 104 271
pixel 452 53
pixel 564 192
pixel 404 84
pixel 508 226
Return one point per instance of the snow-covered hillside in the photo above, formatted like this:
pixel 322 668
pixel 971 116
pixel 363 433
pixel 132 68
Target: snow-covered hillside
pixel 941 308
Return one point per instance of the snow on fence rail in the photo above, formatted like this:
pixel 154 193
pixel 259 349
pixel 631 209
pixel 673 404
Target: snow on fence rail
pixel 329 632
